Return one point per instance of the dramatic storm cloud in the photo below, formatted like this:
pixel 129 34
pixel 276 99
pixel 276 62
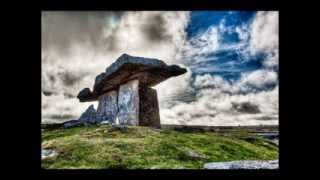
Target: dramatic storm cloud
pixel 231 57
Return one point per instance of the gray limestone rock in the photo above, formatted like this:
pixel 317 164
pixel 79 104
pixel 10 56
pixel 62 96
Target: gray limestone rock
pixel 89 116
pixel 72 123
pixel 84 94
pixel 108 107
pixel 48 153
pixel 249 164
pixel 148 107
pixel 128 103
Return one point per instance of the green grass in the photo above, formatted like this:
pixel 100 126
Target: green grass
pixel 144 148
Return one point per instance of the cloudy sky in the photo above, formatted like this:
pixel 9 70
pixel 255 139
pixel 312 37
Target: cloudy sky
pixel 231 57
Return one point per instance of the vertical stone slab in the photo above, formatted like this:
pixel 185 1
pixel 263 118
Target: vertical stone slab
pixel 108 107
pixel 128 103
pixel 149 107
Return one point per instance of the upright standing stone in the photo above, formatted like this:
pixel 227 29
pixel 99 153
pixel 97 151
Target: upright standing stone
pixel 128 103
pixel 149 108
pixel 108 108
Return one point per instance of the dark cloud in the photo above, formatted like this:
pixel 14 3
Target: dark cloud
pixel 47 93
pixel 61 29
pixel 70 78
pixel 155 28
pixel 246 107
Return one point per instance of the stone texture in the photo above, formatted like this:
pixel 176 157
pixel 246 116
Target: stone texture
pixel 72 123
pixel 128 103
pixel 89 116
pixel 48 153
pixel 149 108
pixel 249 164
pixel 149 72
pixel 107 107
pixel 85 94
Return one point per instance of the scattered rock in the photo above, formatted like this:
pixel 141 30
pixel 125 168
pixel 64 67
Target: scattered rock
pixel 72 123
pixel 48 153
pixel 274 164
pixel 194 155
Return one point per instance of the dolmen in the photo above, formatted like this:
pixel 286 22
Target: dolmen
pixel 124 92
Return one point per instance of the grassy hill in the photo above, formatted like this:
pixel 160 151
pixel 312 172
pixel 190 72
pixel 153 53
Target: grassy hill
pixel 147 148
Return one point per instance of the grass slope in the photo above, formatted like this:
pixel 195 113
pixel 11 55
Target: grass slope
pixel 145 148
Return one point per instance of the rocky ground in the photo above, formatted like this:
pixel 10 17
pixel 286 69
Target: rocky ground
pixel 274 164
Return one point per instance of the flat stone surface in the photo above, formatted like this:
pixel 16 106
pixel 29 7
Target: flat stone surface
pixel 108 107
pixel 148 71
pixel 128 103
pixel 149 107
pixel 274 164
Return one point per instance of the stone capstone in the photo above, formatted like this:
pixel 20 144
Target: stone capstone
pixel 148 71
pixel 84 93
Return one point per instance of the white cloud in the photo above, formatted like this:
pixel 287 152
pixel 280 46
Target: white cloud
pixel 259 78
pixel 265 32
pixel 202 44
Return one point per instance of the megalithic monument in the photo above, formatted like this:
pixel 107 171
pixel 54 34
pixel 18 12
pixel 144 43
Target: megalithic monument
pixel 124 90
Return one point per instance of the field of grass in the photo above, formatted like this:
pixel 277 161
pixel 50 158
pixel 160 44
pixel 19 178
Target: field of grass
pixel 105 147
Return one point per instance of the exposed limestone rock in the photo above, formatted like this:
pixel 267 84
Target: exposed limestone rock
pixel 89 116
pixel 72 123
pixel 128 103
pixel 108 107
pixel 149 108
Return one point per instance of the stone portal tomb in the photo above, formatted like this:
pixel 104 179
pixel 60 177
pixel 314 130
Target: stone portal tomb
pixel 124 91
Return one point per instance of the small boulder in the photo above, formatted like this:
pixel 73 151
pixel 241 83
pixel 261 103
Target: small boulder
pixel 48 153
pixel 72 123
